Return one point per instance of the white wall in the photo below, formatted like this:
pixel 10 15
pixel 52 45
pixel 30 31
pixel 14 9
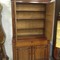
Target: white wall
pixel 7 25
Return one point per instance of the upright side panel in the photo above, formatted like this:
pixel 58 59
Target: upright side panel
pixel 14 29
pixel 13 18
pixel 49 20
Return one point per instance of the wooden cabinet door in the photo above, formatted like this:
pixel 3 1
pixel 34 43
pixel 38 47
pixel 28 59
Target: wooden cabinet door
pixel 40 53
pixel 23 53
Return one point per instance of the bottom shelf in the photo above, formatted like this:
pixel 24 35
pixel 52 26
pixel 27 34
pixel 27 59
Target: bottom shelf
pixel 26 37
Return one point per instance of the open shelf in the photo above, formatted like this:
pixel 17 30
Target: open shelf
pixel 30 7
pixel 29 32
pixel 33 15
pixel 29 24
pixel 30 19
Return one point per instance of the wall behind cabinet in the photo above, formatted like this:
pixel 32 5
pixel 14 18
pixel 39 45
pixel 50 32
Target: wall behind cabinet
pixel 7 25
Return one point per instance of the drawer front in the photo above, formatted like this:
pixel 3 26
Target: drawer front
pixel 31 43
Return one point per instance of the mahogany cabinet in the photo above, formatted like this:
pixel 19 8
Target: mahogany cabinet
pixel 32 29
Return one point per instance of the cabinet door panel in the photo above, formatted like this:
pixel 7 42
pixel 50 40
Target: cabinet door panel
pixel 40 53
pixel 24 53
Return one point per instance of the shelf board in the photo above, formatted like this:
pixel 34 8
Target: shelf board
pixel 29 11
pixel 31 29
pixel 30 34
pixel 30 37
pixel 37 35
pixel 33 2
pixel 36 28
pixel 30 19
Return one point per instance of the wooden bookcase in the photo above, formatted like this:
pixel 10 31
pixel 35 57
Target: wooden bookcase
pixel 32 29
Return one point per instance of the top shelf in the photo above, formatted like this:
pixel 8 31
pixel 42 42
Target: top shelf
pixel 32 1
